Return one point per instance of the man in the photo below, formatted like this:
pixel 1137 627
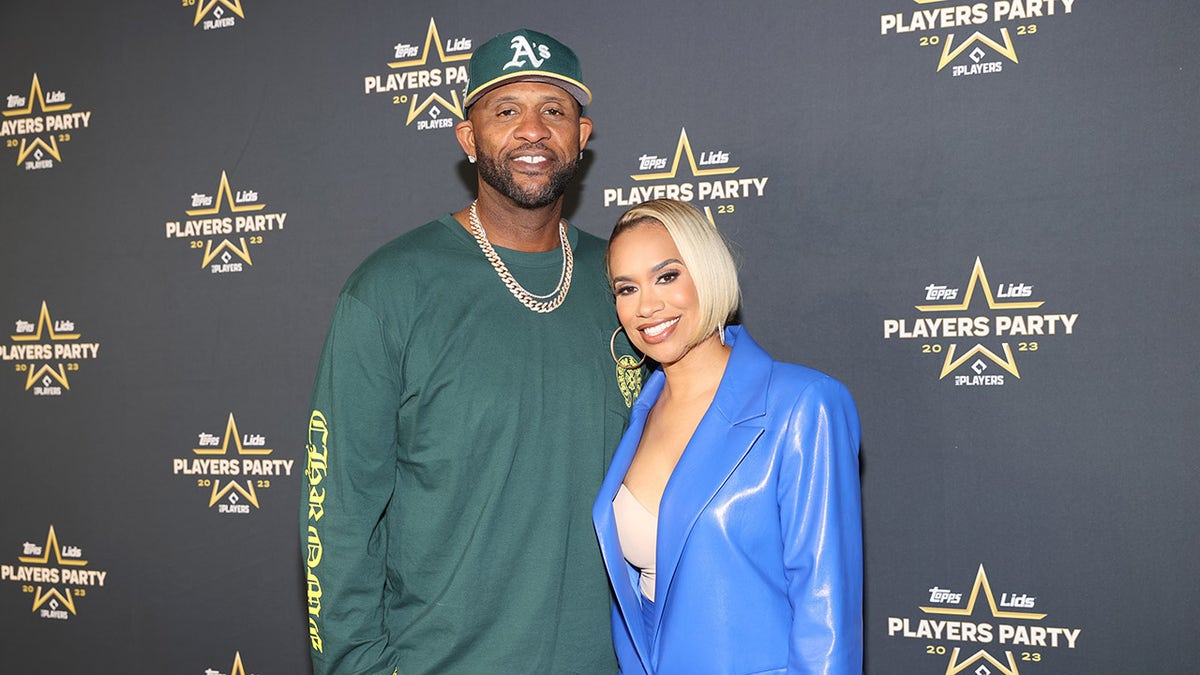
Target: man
pixel 461 423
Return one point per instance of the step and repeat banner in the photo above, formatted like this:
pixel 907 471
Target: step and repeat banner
pixel 983 217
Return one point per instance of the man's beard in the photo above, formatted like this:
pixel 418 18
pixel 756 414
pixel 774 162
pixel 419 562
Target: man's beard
pixel 501 178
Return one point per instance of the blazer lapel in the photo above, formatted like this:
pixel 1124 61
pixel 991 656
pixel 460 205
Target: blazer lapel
pixel 624 577
pixel 725 434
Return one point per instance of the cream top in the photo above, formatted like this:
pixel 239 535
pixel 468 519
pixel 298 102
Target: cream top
pixel 637 530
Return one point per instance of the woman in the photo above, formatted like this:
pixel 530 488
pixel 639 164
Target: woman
pixel 730 519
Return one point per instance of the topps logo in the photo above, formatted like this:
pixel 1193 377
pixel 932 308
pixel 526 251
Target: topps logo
pixel 935 292
pixel 647 162
pixel 943 596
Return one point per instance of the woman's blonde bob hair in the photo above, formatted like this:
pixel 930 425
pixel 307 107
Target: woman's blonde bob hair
pixel 704 252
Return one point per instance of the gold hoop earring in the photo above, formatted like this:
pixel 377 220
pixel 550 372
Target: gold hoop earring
pixel 623 362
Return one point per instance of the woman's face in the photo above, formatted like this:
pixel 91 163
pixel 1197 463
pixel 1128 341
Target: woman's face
pixel 657 302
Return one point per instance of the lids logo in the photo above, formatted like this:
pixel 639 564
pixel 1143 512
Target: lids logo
pixel 1028 16
pixel 523 50
pixel 1033 641
pixel 55 586
pixel 21 128
pixel 941 334
pixel 712 162
pixel 243 219
pixel 419 74
pixel 210 472
pixel 46 350
pixel 216 9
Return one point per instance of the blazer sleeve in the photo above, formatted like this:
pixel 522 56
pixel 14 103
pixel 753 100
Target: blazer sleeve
pixel 821 523
pixel 348 482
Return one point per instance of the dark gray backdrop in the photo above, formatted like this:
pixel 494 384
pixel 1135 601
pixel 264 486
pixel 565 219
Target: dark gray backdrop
pixel 1071 174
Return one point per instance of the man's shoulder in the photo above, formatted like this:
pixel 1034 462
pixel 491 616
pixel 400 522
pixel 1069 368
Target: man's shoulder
pixel 415 243
pixel 589 255
pixel 589 243
pixel 401 257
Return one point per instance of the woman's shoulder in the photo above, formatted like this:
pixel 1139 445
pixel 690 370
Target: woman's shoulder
pixel 793 380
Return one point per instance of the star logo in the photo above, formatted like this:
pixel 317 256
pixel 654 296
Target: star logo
pixel 433 40
pixel 241 249
pixel 1007 628
pixel 231 432
pixel 982 655
pixel 684 147
pixel 979 280
pixel 233 469
pixel 52 594
pixel 989 29
pixel 30 146
pixel 47 329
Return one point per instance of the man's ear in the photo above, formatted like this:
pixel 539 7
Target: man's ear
pixel 585 131
pixel 466 137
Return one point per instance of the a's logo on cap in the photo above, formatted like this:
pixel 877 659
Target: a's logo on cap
pixel 522 50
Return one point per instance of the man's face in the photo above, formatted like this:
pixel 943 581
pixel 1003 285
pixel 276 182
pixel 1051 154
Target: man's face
pixel 526 137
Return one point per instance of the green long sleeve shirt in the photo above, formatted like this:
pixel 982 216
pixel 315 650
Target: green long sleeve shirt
pixel 456 443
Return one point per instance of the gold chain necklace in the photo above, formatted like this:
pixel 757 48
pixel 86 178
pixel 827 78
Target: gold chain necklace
pixel 537 303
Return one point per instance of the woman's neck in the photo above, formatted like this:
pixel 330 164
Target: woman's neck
pixel 698 373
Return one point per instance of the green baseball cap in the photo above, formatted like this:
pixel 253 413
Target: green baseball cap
pixel 524 56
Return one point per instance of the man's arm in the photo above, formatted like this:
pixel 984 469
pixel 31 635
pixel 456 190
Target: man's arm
pixel 348 483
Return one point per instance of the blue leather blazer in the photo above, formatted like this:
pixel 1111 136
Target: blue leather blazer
pixel 759 553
